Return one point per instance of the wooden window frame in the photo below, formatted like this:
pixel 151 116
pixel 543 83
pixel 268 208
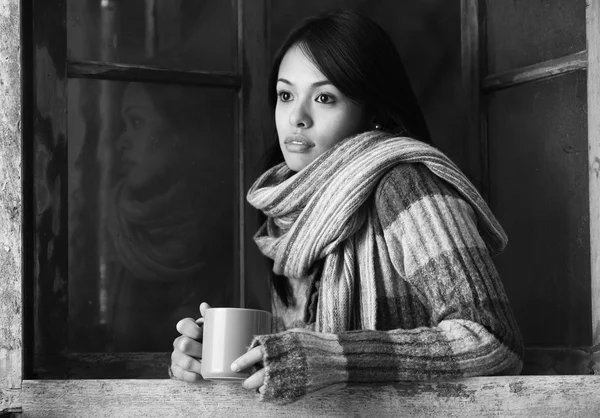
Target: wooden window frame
pixel 477 84
pixel 551 396
pixel 47 281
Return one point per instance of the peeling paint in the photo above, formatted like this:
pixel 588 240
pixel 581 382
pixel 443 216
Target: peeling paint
pixel 516 387
pixel 454 390
pixel 595 167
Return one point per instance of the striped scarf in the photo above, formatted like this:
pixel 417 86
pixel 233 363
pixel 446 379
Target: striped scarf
pixel 322 213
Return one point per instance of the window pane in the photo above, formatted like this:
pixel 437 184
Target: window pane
pixel 187 34
pixel 539 191
pixel 151 194
pixel 528 32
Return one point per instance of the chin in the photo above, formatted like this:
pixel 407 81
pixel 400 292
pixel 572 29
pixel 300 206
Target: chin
pixel 136 181
pixel 294 164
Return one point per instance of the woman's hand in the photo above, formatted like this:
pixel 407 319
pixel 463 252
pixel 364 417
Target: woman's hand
pixel 187 348
pixel 252 357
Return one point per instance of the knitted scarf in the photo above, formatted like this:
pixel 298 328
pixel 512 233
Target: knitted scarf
pixel 322 212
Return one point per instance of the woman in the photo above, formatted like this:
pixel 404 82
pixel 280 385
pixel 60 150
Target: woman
pixel 168 245
pixel 381 247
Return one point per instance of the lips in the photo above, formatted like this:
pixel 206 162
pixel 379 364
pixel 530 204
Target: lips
pixel 298 143
pixel 125 164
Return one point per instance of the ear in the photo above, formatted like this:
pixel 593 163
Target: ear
pixel 373 123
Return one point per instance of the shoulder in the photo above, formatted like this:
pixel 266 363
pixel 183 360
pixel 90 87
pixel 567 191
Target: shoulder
pixel 406 184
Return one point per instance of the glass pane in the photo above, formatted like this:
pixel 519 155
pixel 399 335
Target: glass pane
pixel 151 195
pixel 528 32
pixel 539 191
pixel 186 34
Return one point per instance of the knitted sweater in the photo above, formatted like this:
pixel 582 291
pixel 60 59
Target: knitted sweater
pixel 444 314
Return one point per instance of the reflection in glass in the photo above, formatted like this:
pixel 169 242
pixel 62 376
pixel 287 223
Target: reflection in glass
pixel 151 200
pixel 168 33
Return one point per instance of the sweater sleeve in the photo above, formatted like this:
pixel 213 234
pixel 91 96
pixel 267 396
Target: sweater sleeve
pixel 432 239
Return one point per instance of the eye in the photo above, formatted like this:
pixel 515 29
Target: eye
pixel 135 121
pixel 284 96
pixel 325 98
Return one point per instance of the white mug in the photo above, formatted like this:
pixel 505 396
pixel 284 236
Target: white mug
pixel 227 335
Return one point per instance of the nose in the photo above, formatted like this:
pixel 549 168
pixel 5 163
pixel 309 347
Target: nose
pixel 300 116
pixel 123 142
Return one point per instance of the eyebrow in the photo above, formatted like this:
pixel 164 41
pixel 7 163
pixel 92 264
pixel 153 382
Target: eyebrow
pixel 315 84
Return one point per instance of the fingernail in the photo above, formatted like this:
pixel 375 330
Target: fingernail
pixel 234 367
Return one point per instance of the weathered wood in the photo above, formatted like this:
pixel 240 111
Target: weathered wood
pixel 536 72
pixel 475 144
pixel 140 73
pixel 518 396
pixel 254 138
pixel 10 401
pixel 11 195
pixel 593 46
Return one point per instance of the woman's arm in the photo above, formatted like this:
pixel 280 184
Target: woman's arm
pixel 433 243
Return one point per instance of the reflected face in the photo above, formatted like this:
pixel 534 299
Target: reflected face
pixel 311 115
pixel 146 149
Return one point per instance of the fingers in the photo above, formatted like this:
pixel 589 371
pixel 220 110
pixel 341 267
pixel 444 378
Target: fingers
pixel 250 358
pixel 255 381
pixel 190 328
pixel 184 366
pixel 185 375
pixel 185 362
pixel 188 346
pixel 203 307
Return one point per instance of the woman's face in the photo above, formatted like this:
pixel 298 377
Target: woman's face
pixel 146 150
pixel 311 115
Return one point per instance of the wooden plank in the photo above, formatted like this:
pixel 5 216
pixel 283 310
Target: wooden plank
pixel 593 46
pixel 255 137
pixel 543 70
pixel 473 64
pixel 517 396
pixel 141 73
pixel 11 195
pixel 10 401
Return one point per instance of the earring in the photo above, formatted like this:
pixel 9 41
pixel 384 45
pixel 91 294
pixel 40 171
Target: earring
pixel 378 127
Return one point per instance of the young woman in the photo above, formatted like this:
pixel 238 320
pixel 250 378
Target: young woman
pixel 381 247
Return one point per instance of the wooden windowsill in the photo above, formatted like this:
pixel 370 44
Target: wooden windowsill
pixel 548 396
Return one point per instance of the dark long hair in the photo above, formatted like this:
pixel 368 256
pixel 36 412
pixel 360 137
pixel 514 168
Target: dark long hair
pixel 360 60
